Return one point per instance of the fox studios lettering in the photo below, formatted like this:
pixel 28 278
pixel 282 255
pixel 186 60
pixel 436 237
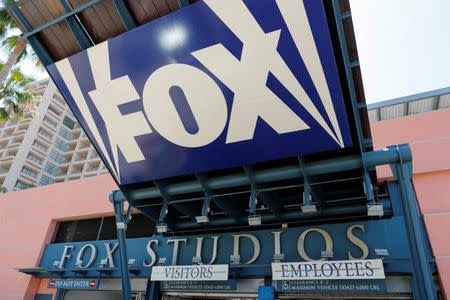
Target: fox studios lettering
pixel 223 77
pixel 179 253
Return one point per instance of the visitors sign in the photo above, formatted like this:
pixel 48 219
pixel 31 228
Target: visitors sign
pixel 190 273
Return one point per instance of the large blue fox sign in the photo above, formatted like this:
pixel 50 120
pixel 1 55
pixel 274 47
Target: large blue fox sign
pixel 218 84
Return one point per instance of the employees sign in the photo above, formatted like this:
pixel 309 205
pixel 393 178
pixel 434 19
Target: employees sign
pixel 338 269
pixel 211 86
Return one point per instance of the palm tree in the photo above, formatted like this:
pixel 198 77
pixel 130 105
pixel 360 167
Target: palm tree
pixel 15 96
pixel 17 46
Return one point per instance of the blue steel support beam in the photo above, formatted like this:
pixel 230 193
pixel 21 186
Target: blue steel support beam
pixel 422 275
pixel 266 197
pixel 306 187
pixel 347 163
pixel 80 34
pixel 227 206
pixel 58 19
pixel 202 181
pixel 224 204
pixel 118 204
pixel 183 3
pixel 153 290
pixel 325 213
pixel 348 72
pixel 34 41
pixel 166 199
pixel 253 193
pixel 125 15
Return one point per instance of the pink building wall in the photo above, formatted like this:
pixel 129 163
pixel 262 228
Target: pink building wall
pixel 429 137
pixel 28 218
pixel 27 223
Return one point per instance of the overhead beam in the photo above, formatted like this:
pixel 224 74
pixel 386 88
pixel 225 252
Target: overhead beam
pixel 125 15
pixel 186 209
pixel 268 198
pixel 81 36
pixel 231 210
pixel 325 213
pixel 183 3
pixel 60 18
pixel 347 163
pixel 34 41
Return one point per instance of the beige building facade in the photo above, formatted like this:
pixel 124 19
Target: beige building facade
pixel 46 146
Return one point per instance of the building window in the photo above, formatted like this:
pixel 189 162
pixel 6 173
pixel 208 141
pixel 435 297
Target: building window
pixel 53 111
pixel 49 122
pixel 70 114
pixel 56 156
pixel 51 169
pixel 22 186
pixel 45 134
pixel 102 229
pixel 34 158
pixel 69 123
pixel 65 134
pixel 45 180
pixel 60 145
pixel 39 146
pixel 29 172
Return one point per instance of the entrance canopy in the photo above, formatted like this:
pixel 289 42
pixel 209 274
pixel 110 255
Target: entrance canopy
pixel 216 113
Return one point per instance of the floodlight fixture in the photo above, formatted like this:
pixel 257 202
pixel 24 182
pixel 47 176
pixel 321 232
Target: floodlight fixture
pixel 310 208
pixel 202 219
pixel 326 254
pixel 254 220
pixel 197 260
pixel 103 262
pixel 278 257
pixel 161 228
pixel 235 259
pixel 381 253
pixel 375 210
pixel 131 261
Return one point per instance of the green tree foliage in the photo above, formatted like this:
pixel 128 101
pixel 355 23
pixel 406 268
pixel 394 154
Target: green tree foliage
pixel 15 96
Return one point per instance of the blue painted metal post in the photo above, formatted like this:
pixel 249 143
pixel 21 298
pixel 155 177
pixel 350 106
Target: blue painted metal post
pixel 121 237
pixel 422 275
pixel 81 36
pixel 125 15
pixel 266 292
pixel 153 290
pixel 183 3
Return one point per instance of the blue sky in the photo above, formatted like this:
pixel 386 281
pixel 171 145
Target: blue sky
pixel 403 46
